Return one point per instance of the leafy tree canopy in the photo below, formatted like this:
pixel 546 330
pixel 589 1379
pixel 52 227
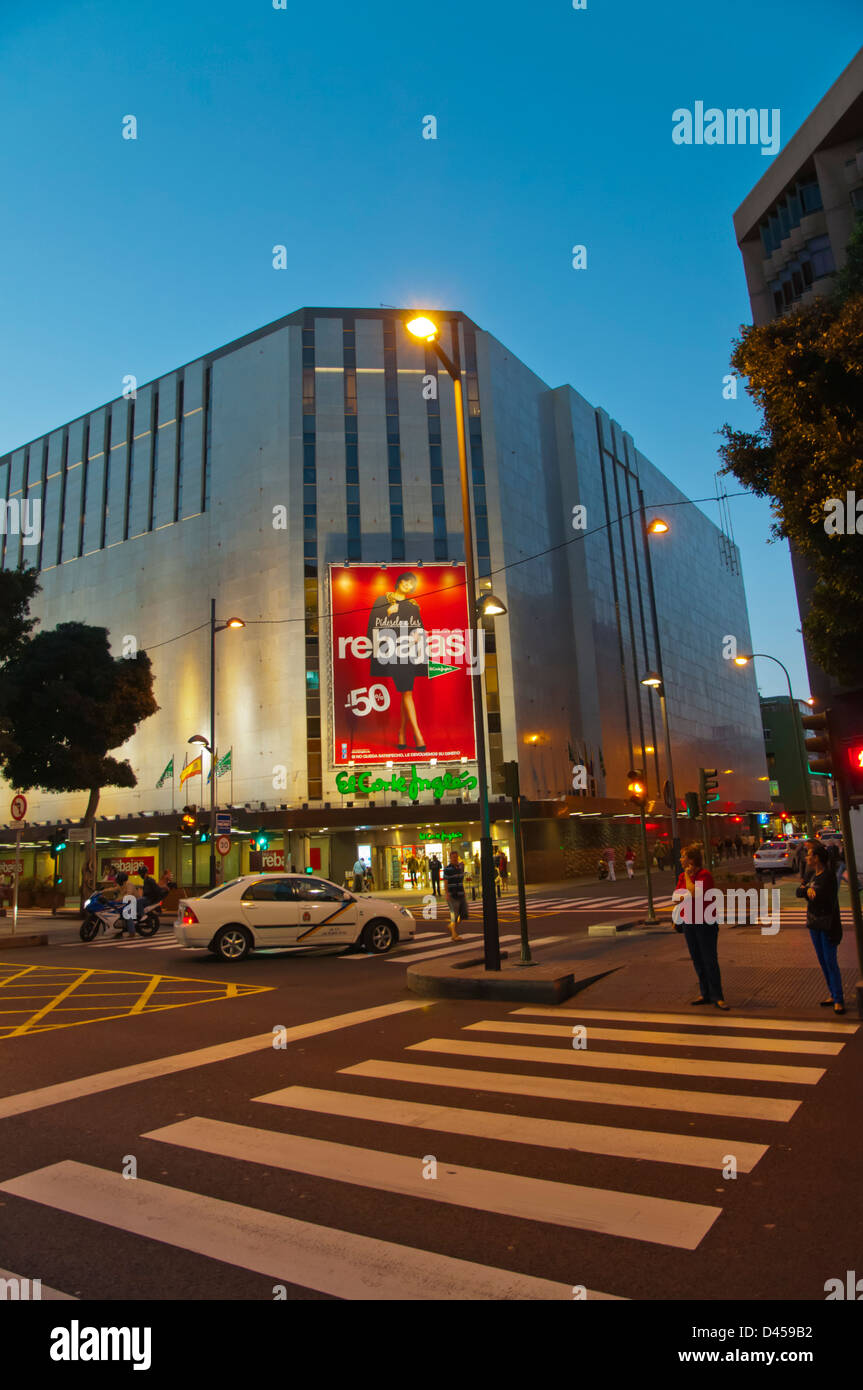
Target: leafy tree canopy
pixel 805 373
pixel 67 702
pixel 17 589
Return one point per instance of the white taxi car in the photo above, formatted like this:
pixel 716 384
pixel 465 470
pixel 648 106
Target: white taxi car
pixel 289 912
pixel 777 856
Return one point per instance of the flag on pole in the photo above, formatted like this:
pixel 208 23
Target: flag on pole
pixel 193 769
pixel 169 772
pixel 223 765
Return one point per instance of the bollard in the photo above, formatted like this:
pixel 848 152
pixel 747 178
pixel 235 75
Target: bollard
pixel 473 892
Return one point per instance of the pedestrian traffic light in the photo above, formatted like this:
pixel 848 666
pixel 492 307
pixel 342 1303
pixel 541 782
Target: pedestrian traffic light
pixel 188 821
pixel 819 750
pixel 693 807
pixel 637 788
pixel 260 841
pixel 708 785
pixel 58 842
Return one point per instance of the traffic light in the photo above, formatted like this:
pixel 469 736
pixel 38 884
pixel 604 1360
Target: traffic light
pixel 708 785
pixel 188 821
pixel 820 746
pixel 260 841
pixel 637 788
pixel 58 841
pixel 693 807
pixel 506 780
pixel 853 770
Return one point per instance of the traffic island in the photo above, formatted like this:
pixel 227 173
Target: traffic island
pixel 611 926
pixel 532 984
pixel 31 939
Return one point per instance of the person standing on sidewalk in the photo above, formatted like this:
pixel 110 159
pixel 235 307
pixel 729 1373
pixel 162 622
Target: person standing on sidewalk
pixel 455 894
pixel 629 860
pixel 824 921
pixel 701 937
pixel 609 859
pixel 435 867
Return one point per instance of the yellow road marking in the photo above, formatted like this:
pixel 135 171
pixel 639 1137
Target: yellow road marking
pixel 145 994
pixel 52 1004
pixel 117 994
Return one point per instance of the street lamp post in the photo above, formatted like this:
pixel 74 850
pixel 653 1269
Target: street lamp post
pixel 656 679
pixel 211 745
pixel 427 330
pixel 798 735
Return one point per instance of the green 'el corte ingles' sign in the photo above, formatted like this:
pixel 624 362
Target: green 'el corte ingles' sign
pixel 348 782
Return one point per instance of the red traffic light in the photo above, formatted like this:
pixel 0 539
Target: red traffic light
pixel 855 757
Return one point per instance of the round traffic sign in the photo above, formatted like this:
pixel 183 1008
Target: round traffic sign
pixel 19 807
pixel 223 844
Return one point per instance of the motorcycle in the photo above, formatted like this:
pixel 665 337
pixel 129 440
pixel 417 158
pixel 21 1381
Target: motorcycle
pixel 102 913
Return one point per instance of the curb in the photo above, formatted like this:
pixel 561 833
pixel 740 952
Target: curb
pixel 468 979
pixel 7 942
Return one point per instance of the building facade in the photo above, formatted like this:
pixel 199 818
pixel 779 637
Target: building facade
pixel 325 444
pixel 793 230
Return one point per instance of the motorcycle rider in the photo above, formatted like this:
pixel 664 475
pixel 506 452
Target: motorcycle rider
pixel 152 892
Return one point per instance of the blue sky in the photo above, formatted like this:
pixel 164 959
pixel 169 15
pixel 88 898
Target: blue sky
pixel 303 126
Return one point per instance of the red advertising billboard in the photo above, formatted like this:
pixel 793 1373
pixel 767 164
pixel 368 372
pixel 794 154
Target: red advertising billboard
pixel 402 658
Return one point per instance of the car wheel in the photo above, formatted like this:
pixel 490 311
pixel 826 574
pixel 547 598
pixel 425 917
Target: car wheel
pixel 379 936
pixel 232 943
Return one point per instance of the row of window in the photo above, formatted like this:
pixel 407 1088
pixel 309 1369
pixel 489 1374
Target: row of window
pixel 394 453
pixel 788 213
pixel 314 770
pixel 798 275
pixel 145 479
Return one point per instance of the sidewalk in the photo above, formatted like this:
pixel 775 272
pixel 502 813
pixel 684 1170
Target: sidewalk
pixel 760 974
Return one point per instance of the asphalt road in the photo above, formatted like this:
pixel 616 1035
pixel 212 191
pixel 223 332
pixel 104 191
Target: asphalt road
pixel 608 1168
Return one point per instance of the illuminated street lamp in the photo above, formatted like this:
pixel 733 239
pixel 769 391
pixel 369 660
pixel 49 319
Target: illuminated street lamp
pixel 654 680
pixel 798 733
pixel 210 744
pixel 426 330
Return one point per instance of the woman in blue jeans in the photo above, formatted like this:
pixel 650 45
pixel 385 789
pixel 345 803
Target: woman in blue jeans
pixel 701 938
pixel 821 891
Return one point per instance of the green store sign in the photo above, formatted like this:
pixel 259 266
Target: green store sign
pixel 348 782
pixel 439 836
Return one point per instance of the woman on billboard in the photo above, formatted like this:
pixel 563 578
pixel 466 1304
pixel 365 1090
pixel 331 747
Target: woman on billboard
pixel 399 650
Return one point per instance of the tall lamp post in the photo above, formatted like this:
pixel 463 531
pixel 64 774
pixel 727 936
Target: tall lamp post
pixel 655 679
pixel 798 734
pixel 490 606
pixel 210 744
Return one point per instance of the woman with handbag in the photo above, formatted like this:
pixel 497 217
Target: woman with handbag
pixel 701 937
pixel 823 919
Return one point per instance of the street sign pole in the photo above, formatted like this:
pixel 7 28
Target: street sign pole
pixel 19 811
pixel 17 876
pixel 651 918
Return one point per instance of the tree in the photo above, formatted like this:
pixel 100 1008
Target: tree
pixel 805 373
pixel 17 589
pixel 67 702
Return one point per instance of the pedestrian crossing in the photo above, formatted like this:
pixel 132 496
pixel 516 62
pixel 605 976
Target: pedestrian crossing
pixel 613 1104
pixel 543 907
pixel 424 946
